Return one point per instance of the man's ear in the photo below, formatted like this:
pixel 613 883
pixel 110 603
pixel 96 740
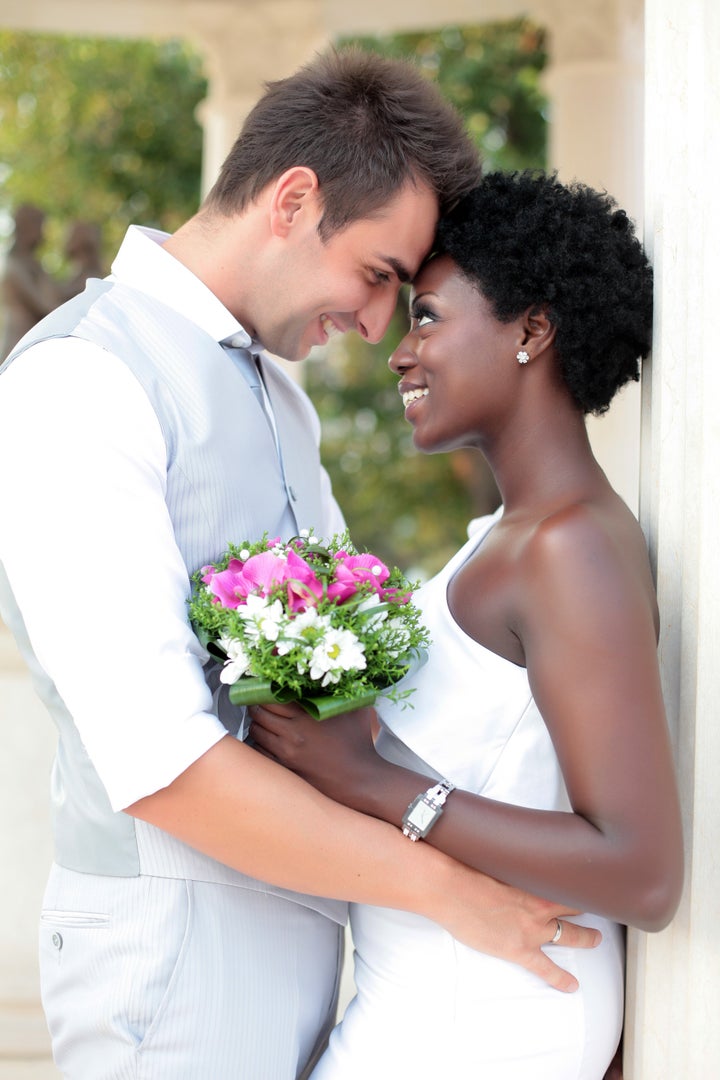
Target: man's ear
pixel 537 330
pixel 295 200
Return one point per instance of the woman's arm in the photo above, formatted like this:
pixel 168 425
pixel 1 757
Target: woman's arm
pixel 586 623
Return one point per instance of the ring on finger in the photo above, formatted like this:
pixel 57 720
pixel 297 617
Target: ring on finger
pixel 558 933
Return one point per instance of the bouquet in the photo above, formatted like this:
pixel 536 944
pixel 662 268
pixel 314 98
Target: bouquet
pixel 318 623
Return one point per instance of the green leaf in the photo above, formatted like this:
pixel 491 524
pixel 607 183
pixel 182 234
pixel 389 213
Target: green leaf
pixel 250 691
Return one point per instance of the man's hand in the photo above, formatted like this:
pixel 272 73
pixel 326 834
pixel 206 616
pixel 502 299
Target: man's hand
pixel 338 757
pixel 515 926
pixel 247 812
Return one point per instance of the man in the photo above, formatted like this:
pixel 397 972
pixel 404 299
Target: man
pixel 145 441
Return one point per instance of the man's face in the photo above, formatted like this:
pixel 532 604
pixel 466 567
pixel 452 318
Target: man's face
pixel 349 282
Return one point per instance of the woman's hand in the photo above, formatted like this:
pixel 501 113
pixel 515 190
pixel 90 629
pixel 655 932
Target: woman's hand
pixel 336 756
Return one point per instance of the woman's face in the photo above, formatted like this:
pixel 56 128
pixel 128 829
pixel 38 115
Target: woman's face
pixel 457 364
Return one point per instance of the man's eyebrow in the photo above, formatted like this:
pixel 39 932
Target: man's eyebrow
pixel 403 274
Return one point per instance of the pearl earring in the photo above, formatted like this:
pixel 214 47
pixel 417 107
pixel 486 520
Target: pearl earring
pixel 522 357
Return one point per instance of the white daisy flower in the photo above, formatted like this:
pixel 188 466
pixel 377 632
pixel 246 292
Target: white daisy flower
pixel 338 651
pixel 262 619
pixel 237 663
pixel 301 629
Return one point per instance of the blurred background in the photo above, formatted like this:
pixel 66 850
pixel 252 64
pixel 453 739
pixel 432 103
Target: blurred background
pixel 104 132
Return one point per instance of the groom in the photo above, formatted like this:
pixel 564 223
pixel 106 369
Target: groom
pixel 186 930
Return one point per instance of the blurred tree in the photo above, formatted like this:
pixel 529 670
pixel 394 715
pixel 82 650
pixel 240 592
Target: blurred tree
pixel 105 131
pixel 410 508
pixel 99 130
pixel 491 73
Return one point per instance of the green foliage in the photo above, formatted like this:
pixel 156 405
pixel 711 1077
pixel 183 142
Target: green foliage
pixel 100 130
pixel 491 73
pixel 288 631
pixel 105 130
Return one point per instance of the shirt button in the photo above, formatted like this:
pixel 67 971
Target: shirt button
pixel 57 941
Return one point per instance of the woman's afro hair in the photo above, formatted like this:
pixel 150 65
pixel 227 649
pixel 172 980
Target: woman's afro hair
pixel 526 241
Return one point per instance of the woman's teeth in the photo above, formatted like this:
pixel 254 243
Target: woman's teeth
pixel 412 395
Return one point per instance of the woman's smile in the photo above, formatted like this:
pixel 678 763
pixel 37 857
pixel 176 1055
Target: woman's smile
pixel 410 396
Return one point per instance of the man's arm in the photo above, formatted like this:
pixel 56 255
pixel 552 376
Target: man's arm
pixel 249 813
pixel 93 564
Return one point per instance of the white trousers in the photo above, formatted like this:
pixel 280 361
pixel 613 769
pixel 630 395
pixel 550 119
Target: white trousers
pixel 161 979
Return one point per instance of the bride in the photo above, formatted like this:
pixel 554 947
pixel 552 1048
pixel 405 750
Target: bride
pixel 537 748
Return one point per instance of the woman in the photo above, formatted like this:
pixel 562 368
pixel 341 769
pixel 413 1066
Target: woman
pixel 540 700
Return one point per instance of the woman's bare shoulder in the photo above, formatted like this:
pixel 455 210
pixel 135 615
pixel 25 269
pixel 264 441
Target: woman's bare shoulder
pixel 588 553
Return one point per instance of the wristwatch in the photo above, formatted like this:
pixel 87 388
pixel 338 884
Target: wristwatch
pixel 425 809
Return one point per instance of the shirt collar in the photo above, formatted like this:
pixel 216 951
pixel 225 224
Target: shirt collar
pixel 143 263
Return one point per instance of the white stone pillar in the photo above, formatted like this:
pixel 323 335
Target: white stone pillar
pixel 595 86
pixel 260 43
pixel 674 977
pixel 27 744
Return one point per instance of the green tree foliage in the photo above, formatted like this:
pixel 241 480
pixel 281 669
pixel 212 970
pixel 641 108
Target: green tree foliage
pixel 491 73
pixel 410 508
pixel 100 130
pixel 105 130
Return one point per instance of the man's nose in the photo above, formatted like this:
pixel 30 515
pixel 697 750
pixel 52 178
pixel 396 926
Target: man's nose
pixel 374 319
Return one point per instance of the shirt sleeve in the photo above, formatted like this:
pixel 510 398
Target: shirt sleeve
pixel 89 551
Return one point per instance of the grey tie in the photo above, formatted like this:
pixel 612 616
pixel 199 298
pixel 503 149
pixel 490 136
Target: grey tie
pixel 245 361
pixel 243 352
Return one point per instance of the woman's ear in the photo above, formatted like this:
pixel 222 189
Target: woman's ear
pixel 295 199
pixel 538 332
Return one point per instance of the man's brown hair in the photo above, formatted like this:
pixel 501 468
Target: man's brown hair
pixel 366 125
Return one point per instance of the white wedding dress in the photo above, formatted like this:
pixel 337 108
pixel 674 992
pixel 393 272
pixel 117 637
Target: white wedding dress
pixel 427 1005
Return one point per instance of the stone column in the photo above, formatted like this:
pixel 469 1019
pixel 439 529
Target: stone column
pixel 595 85
pixel 259 43
pixel 27 744
pixel 674 977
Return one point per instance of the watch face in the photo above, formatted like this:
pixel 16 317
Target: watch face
pixel 421 816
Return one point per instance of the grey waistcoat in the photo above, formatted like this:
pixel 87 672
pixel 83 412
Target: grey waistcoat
pixel 224 483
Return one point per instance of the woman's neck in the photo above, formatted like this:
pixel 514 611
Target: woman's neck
pixel 545 463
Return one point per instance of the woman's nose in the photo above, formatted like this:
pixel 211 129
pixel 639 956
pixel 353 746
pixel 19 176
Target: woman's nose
pixel 403 357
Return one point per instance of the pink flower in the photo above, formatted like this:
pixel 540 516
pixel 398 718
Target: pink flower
pixel 354 570
pixel 304 587
pixel 260 575
pixel 223 584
